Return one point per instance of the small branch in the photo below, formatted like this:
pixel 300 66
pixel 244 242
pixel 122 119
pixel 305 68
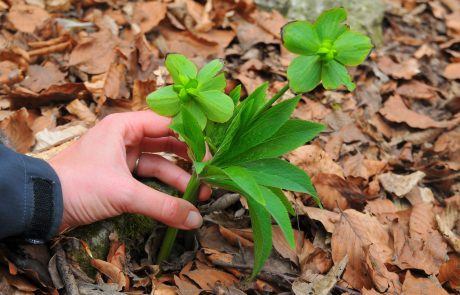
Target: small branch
pixel 65 272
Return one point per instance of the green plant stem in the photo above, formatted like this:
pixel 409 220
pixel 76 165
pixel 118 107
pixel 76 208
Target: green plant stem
pixel 191 195
pixel 276 96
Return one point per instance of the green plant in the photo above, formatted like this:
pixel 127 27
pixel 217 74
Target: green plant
pixel 247 138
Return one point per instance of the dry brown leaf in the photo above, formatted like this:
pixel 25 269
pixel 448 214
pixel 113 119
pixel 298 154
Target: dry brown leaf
pixel 314 259
pixel 42 77
pixel 95 53
pixel 327 218
pixel 282 247
pixel 115 82
pixel 234 239
pixel 147 15
pixel 384 280
pixel 81 110
pixel 447 220
pixel 383 209
pixel 49 138
pixel 16 127
pixel 452 71
pixel 334 191
pixel 185 287
pixel 395 110
pixel 450 272
pixel 358 166
pixel 163 289
pixel 208 278
pixel 250 34
pixel 115 274
pixel 352 237
pixel 421 286
pixel 400 185
pixel 140 91
pixel 417 90
pixel 270 21
pixel 314 160
pixel 405 70
pixel 417 243
pixel 26 18
pixel 311 110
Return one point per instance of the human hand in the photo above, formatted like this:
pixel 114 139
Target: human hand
pixel 95 172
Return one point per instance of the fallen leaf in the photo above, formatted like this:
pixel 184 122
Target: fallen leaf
pixel 395 110
pixel 384 280
pixel 405 70
pixel 185 287
pixel 16 127
pixel 282 247
pixel 359 166
pixel 400 185
pixel 352 237
pixel 329 188
pixel 446 221
pixel 144 17
pixel 383 209
pixel 115 82
pixel 50 138
pixel 112 272
pixel 323 285
pixel 80 109
pixel 26 18
pixel 417 90
pixel 327 218
pixel 449 272
pixel 452 71
pixel 314 160
pixel 421 286
pixel 42 77
pixel 208 278
pixel 417 243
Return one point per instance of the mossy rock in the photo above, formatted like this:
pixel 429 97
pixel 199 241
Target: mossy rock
pixel 132 229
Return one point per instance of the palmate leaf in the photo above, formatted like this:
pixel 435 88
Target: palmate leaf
pixel 335 74
pixel 329 24
pixel 217 105
pixel 164 101
pixel 210 70
pixel 300 37
pixel 217 83
pixel 304 73
pixel 278 173
pixel 352 48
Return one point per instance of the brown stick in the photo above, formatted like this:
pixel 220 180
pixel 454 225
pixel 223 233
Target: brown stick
pixel 49 49
pixel 64 270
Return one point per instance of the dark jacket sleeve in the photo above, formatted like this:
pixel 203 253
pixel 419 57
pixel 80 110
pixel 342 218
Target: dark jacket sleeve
pixel 31 203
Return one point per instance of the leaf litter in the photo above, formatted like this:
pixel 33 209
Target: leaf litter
pixel 387 169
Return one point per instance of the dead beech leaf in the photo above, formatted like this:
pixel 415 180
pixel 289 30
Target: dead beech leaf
pixel 384 280
pixel 208 278
pixel 16 128
pixel 400 185
pixel 417 90
pixel 405 70
pixel 358 166
pixel 94 54
pixel 383 209
pixel 147 15
pixel 314 259
pixel 314 160
pixel 50 138
pixel 250 34
pixel 115 82
pixel 395 110
pixel 417 286
pixel 233 238
pixel 80 109
pixel 112 272
pixel 447 221
pixel 185 287
pixel 417 243
pixel 282 247
pixel 452 71
pixel 42 77
pixel 352 237
pixel 324 284
pixel 331 189
pixel 271 21
pixel 327 218
pixel 26 18
pixel 450 272
pixel 140 91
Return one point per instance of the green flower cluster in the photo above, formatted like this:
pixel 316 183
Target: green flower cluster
pixel 201 93
pixel 325 48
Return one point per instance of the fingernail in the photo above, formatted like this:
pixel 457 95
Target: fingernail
pixel 193 220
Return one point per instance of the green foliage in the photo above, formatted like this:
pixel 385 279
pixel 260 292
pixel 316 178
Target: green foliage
pixel 247 138
pixel 325 48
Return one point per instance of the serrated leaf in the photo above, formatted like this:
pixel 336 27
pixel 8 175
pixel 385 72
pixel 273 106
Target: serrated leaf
pixel 178 64
pixel 329 24
pixel 334 75
pixel 262 233
pixel 246 182
pixel 352 48
pixel 304 73
pixel 217 105
pixel 300 37
pixel 164 101
pixel 235 94
pixel 289 137
pixel 280 174
pixel 276 208
pixel 209 70
pixel 279 193
pixel 217 83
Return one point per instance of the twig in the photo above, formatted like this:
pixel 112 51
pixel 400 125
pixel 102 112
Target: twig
pixel 440 179
pixel 346 290
pixel 65 272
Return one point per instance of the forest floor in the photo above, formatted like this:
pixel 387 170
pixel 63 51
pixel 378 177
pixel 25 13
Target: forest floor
pixel 387 169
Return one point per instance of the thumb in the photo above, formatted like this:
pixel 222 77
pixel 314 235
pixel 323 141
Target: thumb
pixel 167 209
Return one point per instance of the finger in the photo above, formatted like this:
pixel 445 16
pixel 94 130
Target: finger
pixel 164 144
pixel 172 211
pixel 151 165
